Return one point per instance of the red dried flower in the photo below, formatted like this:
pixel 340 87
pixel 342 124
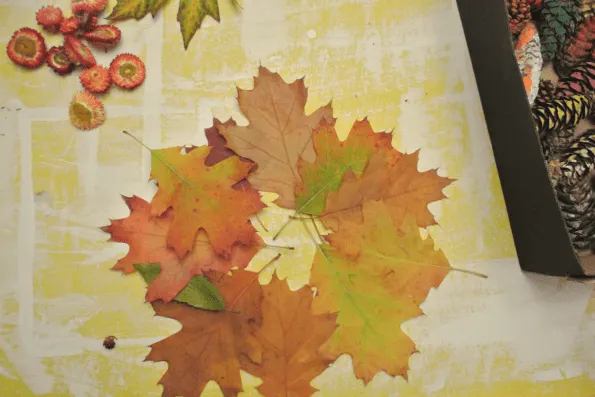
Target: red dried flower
pixel 75 49
pixel 85 6
pixel 26 48
pixel 69 25
pixel 59 61
pixel 104 36
pixel 49 17
pixel 127 71
pixel 92 22
pixel 96 79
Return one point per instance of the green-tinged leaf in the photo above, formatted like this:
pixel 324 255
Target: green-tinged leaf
pixel 199 292
pixel 191 14
pixel 235 4
pixel 333 159
pixel 375 275
pixel 137 9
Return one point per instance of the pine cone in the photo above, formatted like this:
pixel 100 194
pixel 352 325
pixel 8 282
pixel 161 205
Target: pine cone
pixel 587 8
pixel 559 19
pixel 578 47
pixel 557 143
pixel 519 13
pixel 546 93
pixel 580 80
pixel 535 5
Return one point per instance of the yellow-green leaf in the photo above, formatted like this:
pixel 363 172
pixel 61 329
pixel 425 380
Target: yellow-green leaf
pixel 137 9
pixel 333 159
pixel 199 292
pixel 375 275
pixel 191 14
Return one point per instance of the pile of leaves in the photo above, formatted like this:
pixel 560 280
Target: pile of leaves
pixel 193 242
pixel 191 13
pixel 27 48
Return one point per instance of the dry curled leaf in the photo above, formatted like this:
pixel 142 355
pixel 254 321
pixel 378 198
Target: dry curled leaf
pixel 204 197
pixel 290 336
pixel 278 134
pixel 210 344
pixel 395 180
pixel 375 275
pixel 147 237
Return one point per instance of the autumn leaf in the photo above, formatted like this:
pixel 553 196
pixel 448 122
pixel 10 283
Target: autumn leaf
pixel 191 13
pixel 147 237
pixel 278 134
pixel 290 337
pixel 393 179
pixel 204 197
pixel 375 275
pixel 199 292
pixel 333 159
pixel 210 344
pixel 135 9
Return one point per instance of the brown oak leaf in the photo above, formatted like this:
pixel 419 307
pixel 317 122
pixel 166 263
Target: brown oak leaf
pixel 278 134
pixel 392 178
pixel 290 336
pixel 147 237
pixel 210 343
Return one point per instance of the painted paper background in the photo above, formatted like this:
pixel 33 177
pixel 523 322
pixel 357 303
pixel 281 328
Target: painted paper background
pixel 402 63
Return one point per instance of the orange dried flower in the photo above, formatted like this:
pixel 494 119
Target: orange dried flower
pixel 86 111
pixel 96 79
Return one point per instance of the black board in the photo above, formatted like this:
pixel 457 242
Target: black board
pixel 541 240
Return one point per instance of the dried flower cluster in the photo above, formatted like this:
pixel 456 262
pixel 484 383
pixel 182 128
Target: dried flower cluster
pixel 27 48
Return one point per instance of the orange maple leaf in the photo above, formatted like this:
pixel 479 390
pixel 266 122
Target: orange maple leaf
pixel 147 237
pixel 290 336
pixel 278 134
pixel 210 343
pixel 375 274
pixel 392 178
pixel 203 196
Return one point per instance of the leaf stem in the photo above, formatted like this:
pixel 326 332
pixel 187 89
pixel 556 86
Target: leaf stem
pixel 172 169
pixel 449 268
pixel 275 259
pixel 316 228
pixel 253 279
pixel 260 223
pixel 473 273
pixel 279 247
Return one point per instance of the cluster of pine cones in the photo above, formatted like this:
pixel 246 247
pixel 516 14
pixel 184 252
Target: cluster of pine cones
pixel 555 48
